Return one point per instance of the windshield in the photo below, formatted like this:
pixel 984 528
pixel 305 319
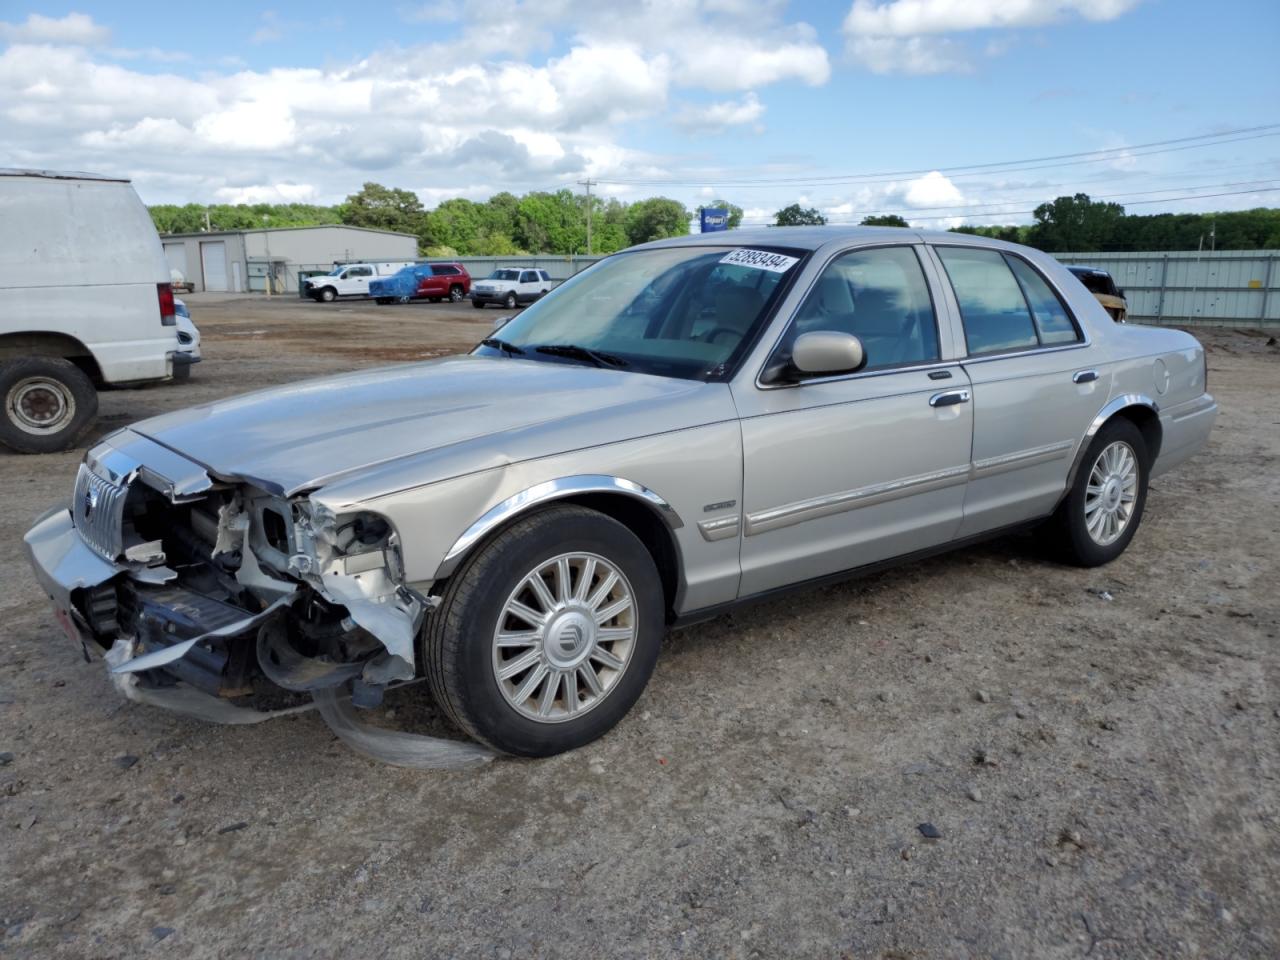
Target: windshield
pixel 335 271
pixel 689 312
pixel 504 275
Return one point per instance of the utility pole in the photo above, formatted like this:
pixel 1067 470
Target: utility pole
pixel 588 183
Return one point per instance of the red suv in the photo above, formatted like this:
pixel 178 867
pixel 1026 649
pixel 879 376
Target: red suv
pixel 424 281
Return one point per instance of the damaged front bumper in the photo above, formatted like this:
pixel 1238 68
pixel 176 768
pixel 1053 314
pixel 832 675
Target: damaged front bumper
pixel 219 584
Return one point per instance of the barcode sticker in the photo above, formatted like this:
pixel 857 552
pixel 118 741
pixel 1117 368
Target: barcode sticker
pixel 761 260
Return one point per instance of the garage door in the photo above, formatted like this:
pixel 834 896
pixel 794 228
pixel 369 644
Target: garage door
pixel 213 257
pixel 175 255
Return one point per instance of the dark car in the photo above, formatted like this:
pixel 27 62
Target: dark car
pixel 423 281
pixel 1104 289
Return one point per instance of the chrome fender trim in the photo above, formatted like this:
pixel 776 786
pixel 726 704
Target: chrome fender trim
pixel 546 492
pixel 1114 406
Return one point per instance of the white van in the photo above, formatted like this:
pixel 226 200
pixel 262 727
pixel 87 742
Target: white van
pixel 85 299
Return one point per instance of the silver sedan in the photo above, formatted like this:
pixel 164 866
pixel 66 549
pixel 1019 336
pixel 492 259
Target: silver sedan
pixel 685 426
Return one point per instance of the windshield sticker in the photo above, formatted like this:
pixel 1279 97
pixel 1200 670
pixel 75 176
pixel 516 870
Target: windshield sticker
pixel 761 260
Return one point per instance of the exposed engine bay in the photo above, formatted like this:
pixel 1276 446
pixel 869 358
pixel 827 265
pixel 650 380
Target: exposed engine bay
pixel 232 603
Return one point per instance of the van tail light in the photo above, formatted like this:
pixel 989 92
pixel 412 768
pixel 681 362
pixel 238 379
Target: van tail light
pixel 168 311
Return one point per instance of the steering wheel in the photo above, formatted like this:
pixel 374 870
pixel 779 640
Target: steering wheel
pixel 714 332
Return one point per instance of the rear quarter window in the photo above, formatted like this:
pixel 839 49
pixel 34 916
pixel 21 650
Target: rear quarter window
pixel 994 312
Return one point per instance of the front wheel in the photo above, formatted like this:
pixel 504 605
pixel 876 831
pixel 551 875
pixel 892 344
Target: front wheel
pixel 1103 508
pixel 328 294
pixel 510 302
pixel 49 404
pixel 547 636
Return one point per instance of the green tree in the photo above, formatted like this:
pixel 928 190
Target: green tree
pixel 735 212
pixel 1076 224
pixel 387 208
pixel 656 218
pixel 551 223
pixel 884 220
pixel 798 216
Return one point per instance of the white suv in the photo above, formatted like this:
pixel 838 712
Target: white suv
pixel 510 286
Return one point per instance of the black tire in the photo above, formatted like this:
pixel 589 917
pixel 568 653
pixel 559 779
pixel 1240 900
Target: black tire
pixel 477 304
pixel 510 302
pixel 456 293
pixel 31 384
pixel 328 294
pixel 382 301
pixel 457 641
pixel 1068 531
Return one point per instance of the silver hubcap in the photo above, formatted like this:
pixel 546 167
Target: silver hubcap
pixel 1111 493
pixel 40 405
pixel 564 637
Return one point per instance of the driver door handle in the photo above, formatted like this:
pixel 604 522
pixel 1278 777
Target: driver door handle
pixel 949 398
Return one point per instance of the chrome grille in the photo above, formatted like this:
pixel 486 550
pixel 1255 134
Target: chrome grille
pixel 97 509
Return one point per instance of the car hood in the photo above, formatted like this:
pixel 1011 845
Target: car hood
pixel 310 434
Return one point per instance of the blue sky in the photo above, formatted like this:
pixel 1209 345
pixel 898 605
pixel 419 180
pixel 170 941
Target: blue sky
pixel 753 100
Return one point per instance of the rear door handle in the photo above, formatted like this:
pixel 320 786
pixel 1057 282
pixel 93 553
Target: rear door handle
pixel 1084 376
pixel 949 398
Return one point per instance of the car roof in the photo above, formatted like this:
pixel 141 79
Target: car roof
pixel 812 238
pixel 59 175
pixel 1077 268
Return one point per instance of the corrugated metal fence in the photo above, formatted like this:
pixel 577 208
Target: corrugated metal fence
pixel 1224 288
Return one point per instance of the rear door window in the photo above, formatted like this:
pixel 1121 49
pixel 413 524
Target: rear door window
pixel 1053 322
pixel 994 312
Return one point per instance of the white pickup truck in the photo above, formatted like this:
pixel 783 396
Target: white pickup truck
pixel 350 280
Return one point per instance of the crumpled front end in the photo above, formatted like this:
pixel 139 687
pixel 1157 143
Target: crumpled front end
pixel 222 584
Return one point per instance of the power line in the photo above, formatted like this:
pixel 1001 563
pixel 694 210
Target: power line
pixel 960 211
pixel 980 169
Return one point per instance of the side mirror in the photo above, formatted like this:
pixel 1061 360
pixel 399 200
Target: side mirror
pixel 1120 292
pixel 827 351
pixel 501 322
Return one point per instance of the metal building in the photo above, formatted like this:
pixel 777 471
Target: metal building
pixel 239 261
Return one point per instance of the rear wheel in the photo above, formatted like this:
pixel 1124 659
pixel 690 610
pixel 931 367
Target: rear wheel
pixel 455 293
pixel 1101 513
pixel 49 404
pixel 547 636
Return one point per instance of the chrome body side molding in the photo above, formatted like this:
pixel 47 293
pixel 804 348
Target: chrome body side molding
pixel 791 513
pixel 1022 458
pixel 720 529
pixel 546 492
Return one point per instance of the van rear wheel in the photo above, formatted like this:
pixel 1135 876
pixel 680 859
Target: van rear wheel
pixel 49 404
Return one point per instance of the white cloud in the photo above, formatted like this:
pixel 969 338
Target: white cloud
pixel 522 95
pixel 267 193
pixel 716 117
pixel 910 18
pixel 914 55
pixel 913 36
pixel 74 28
pixel 932 190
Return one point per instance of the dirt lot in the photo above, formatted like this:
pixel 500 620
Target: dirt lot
pixel 1099 750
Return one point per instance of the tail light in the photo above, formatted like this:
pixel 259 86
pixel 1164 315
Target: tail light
pixel 168 312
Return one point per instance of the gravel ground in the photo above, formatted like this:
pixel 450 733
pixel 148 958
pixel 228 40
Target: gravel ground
pixel 1098 752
